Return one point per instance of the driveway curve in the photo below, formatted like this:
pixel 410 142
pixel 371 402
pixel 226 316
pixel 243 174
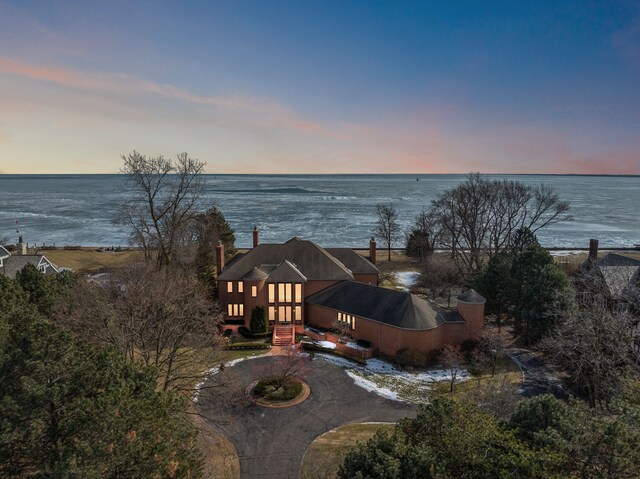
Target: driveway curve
pixel 272 442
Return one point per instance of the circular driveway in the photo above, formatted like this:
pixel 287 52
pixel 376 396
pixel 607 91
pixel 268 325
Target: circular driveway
pixel 272 442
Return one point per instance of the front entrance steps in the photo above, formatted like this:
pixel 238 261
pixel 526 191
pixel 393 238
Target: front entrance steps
pixel 283 335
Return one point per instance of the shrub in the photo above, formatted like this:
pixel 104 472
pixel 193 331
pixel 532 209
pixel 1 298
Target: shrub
pixel 247 346
pixel 410 357
pixel 227 333
pixel 275 389
pixel 259 323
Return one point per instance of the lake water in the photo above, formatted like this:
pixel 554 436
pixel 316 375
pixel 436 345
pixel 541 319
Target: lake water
pixel 333 210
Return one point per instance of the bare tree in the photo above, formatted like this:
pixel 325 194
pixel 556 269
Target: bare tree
pixel 594 347
pixel 160 318
pixel 480 217
pixel 453 360
pixel 493 345
pixel 163 197
pixel 499 398
pixel 387 226
pixel 441 275
pixel 342 328
pixel 292 363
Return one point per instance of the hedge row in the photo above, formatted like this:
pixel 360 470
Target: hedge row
pixel 246 346
pixel 246 332
pixel 314 348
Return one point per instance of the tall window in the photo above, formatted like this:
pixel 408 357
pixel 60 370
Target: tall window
pixel 235 310
pixel 254 291
pixel 272 313
pixel 272 293
pixel 240 287
pixel 229 286
pixel 347 318
pixel 298 298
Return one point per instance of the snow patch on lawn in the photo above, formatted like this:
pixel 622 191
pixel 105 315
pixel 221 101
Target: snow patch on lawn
pixel 407 279
pixel 386 380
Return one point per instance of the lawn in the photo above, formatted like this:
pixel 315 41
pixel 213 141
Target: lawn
pixel 326 453
pixel 92 261
pixel 220 456
pixel 504 369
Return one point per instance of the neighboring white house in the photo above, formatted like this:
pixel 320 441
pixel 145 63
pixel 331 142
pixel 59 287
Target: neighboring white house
pixel 10 264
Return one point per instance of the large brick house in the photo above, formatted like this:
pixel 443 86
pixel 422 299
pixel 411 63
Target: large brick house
pixel 300 283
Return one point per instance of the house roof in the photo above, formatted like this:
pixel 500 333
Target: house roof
pixel 396 308
pixel 614 259
pixel 4 253
pixel 286 272
pixel 471 296
pixel 256 274
pixel 309 259
pixel 15 263
pixel 620 273
pixel 355 262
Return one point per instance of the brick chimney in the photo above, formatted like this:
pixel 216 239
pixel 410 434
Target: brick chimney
pixel 372 250
pixel 219 257
pixel 256 236
pixel 593 250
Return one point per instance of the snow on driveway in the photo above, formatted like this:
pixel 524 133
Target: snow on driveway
pixel 407 279
pixel 388 381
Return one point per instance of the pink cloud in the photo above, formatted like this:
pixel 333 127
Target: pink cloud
pixel 275 111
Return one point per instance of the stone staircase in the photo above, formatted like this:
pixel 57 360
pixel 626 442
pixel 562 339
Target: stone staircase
pixel 283 336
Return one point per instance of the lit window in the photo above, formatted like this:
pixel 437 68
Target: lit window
pixel 272 313
pixel 240 287
pixel 298 313
pixel 281 313
pixel 298 297
pixel 254 291
pixel 272 293
pixel 353 323
pixel 229 287
pixel 230 309
pixel 287 312
pixel 235 310
pixel 241 309
pixel 287 292
pixel 339 316
pixel 281 293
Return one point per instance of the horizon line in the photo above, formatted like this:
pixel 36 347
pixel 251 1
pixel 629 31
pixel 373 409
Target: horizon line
pixel 623 175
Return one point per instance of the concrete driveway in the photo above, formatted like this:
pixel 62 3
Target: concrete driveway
pixel 272 442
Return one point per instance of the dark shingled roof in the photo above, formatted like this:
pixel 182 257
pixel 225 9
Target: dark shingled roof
pixel 384 305
pixel 614 259
pixel 352 260
pixel 286 272
pixel 15 263
pixel 620 273
pixel 314 262
pixel 256 274
pixel 471 296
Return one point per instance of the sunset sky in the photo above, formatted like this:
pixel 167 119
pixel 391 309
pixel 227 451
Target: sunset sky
pixel 322 86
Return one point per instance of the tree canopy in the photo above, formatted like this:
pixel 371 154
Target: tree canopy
pixel 70 411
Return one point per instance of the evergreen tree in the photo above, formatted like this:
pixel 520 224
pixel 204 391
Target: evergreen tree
pixel 43 291
pixel 259 322
pixel 68 411
pixel 540 292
